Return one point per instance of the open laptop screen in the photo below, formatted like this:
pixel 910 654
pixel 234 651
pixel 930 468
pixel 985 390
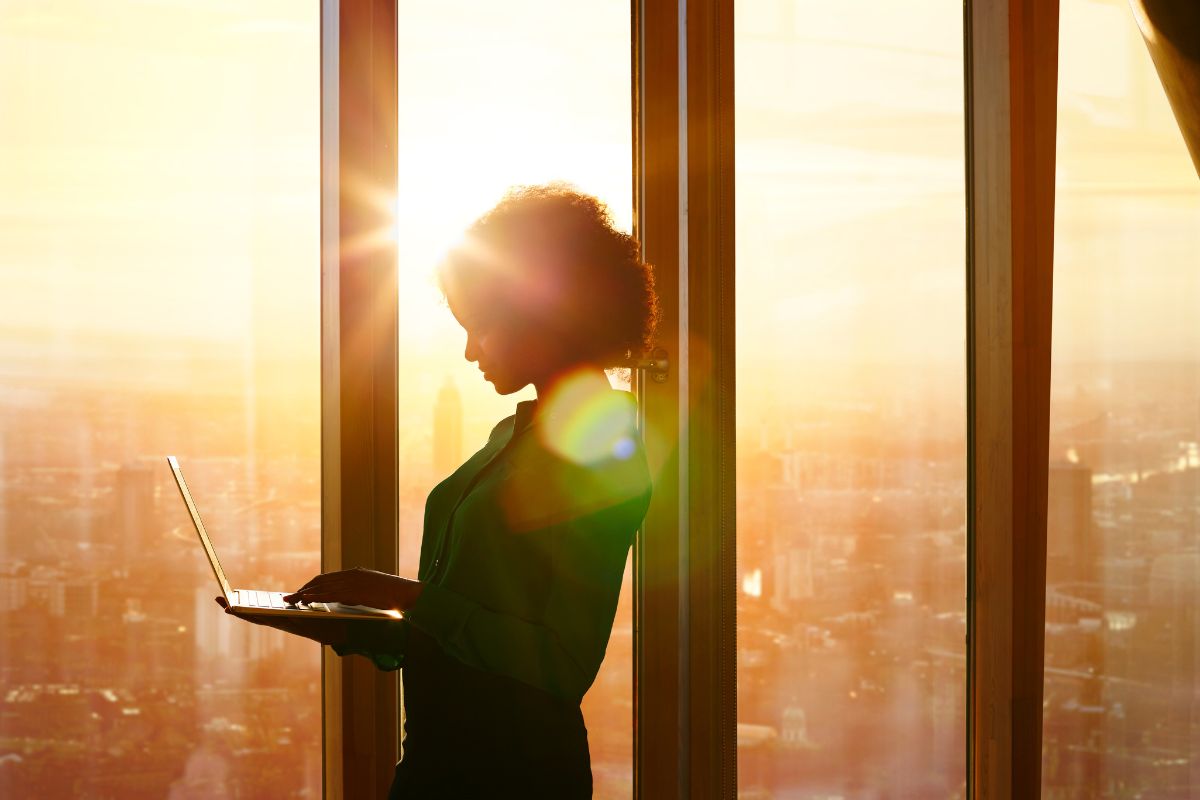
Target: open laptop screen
pixel 196 521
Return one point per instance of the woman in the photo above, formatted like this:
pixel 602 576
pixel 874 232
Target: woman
pixel 525 545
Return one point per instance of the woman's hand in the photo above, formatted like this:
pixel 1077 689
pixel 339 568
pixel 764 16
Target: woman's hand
pixel 359 587
pixel 325 631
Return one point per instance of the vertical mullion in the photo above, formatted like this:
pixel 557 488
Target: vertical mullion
pixel 711 588
pixel 657 640
pixel 359 371
pixel 1011 117
pixel 1035 118
pixel 685 645
pixel 331 667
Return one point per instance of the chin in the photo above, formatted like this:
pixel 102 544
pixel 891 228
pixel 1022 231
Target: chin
pixel 503 387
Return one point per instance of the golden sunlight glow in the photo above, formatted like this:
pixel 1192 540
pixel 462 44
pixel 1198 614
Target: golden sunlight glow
pixel 386 234
pixel 160 265
pixel 752 583
pixel 522 97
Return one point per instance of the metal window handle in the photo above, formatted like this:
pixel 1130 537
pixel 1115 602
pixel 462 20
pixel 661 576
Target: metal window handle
pixel 657 366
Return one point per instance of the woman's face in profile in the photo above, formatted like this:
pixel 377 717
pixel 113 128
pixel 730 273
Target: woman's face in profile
pixel 510 350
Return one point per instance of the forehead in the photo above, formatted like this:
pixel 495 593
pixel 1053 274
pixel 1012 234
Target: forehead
pixel 474 288
pixel 469 301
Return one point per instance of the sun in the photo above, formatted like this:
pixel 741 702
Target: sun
pixel 483 116
pixel 445 184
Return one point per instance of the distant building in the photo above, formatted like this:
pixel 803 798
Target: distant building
pixel 14 592
pixel 1072 552
pixel 447 430
pixel 216 635
pixel 756 746
pixel 793 577
pixel 1075 732
pixel 134 522
pixel 75 599
pixel 794 732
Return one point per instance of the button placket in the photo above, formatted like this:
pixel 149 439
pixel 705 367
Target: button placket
pixel 444 540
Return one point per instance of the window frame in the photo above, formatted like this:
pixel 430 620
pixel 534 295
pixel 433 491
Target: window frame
pixel 1010 97
pixel 359 371
pixel 685 592
pixel 1011 86
pixel 685 639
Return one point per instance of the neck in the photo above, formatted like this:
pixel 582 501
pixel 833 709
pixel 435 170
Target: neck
pixel 578 381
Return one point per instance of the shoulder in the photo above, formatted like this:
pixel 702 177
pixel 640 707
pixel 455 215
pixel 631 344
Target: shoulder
pixel 579 467
pixel 503 427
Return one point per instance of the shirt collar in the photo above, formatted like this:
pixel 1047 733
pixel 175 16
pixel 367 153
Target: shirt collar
pixel 525 412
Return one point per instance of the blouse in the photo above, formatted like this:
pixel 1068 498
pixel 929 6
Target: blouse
pixel 524 549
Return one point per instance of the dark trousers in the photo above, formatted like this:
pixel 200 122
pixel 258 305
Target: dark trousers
pixel 471 734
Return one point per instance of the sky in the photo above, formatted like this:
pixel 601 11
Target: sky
pixel 159 175
pixel 143 148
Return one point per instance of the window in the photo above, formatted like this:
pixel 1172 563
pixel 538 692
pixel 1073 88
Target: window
pixel 492 95
pixel 159 252
pixel 851 473
pixel 1123 569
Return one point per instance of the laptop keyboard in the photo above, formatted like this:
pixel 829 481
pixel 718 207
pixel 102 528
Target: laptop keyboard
pixel 256 599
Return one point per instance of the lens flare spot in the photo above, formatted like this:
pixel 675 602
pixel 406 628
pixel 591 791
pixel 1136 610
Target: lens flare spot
pixel 623 448
pixel 585 422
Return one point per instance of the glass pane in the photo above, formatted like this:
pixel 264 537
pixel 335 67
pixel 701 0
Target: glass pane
pixel 851 399
pixel 1122 689
pixel 159 253
pixel 494 95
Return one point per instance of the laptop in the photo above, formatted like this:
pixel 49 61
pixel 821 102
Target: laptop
pixel 253 602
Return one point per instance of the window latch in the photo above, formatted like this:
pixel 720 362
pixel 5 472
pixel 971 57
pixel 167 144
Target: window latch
pixel 657 366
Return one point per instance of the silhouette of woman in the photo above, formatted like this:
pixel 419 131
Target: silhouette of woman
pixel 525 544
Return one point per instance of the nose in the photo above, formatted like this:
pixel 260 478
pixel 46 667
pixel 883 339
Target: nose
pixel 471 353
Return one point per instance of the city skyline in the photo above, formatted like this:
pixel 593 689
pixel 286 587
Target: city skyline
pixel 161 261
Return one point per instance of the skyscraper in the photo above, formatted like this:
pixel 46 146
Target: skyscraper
pixel 1071 550
pixel 135 522
pixel 447 430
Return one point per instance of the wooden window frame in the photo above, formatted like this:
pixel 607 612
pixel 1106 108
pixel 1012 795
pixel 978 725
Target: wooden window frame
pixel 1011 70
pixel 685 631
pixel 359 370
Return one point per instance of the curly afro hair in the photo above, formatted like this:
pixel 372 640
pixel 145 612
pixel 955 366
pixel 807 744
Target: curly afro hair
pixel 550 256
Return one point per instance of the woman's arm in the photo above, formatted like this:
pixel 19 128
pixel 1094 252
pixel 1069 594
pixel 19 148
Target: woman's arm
pixel 381 641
